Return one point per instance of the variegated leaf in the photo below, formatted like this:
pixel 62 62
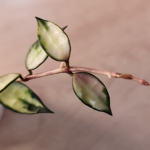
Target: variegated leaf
pixel 35 56
pixel 19 98
pixel 91 91
pixel 7 79
pixel 53 40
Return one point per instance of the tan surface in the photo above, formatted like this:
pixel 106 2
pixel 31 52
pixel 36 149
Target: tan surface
pixel 108 35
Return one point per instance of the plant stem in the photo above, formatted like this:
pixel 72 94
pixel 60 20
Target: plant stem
pixel 67 69
pixel 39 75
pixel 109 74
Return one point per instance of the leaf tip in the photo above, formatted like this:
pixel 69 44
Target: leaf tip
pixel 109 112
pixel 50 112
pixel 39 19
pixel 45 110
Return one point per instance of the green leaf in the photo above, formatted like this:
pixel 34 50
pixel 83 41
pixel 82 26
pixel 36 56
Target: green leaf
pixel 19 98
pixel 91 91
pixel 35 56
pixel 53 40
pixel 7 79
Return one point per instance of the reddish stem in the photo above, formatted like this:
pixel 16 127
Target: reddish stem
pixel 65 69
pixel 109 74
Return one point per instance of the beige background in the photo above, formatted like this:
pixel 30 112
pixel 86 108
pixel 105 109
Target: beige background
pixel 109 35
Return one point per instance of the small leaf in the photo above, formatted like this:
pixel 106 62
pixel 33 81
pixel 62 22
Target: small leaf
pixel 53 40
pixel 35 56
pixel 19 98
pixel 91 91
pixel 7 79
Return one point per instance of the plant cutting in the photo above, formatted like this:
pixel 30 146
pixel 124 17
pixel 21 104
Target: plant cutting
pixel 53 42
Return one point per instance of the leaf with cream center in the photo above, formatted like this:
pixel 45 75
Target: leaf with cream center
pixel 53 40
pixel 19 98
pixel 35 56
pixel 91 91
pixel 7 79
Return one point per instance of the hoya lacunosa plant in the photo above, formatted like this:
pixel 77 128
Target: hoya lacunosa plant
pixel 53 42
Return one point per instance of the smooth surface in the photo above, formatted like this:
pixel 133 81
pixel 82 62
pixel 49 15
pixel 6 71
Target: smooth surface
pixel 35 56
pixel 19 98
pixel 53 40
pixel 7 79
pixel 91 91
pixel 107 35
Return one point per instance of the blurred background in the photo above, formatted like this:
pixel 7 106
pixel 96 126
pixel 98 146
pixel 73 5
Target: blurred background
pixel 107 35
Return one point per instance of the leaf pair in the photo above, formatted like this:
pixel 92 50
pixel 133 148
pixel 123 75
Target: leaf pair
pixel 52 42
pixel 18 97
